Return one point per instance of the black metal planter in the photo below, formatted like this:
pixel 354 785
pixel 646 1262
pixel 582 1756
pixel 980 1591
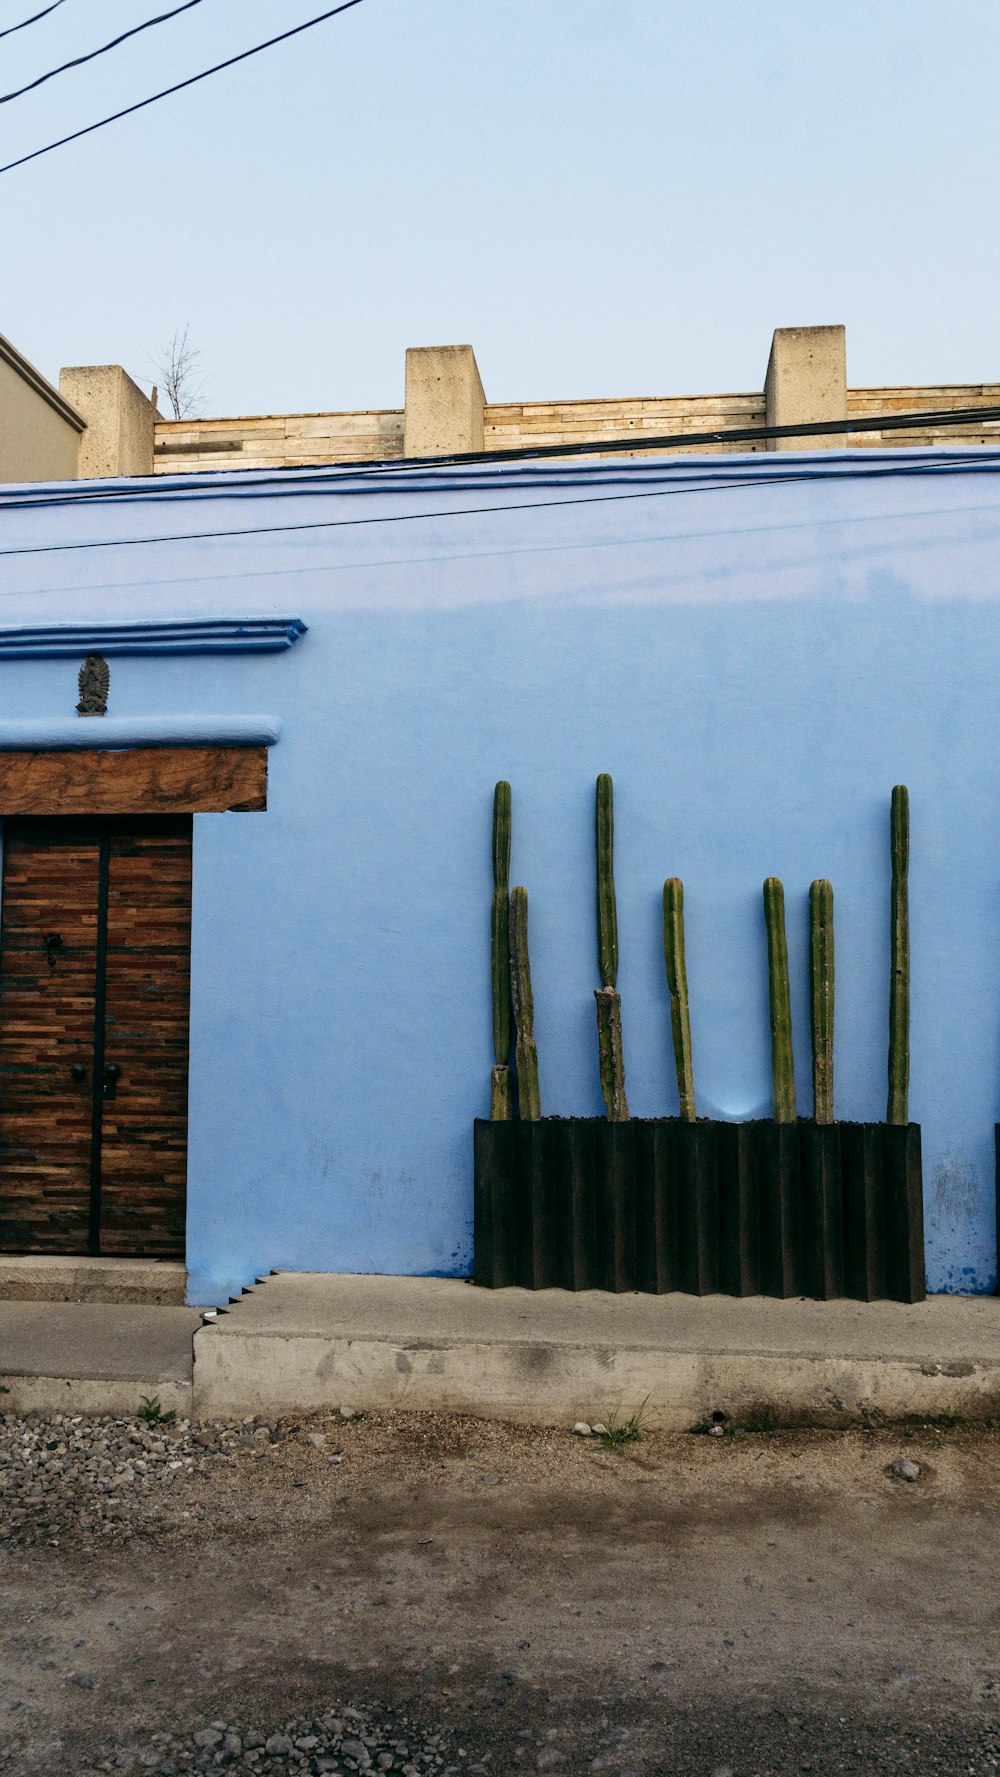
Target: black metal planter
pixel 739 1209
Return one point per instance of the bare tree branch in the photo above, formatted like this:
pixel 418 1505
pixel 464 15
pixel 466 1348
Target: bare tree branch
pixel 178 368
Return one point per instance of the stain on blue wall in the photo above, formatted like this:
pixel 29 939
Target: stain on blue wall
pixel 757 652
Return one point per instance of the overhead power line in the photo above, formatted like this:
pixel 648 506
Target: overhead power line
pixel 879 422
pixel 33 19
pixel 180 85
pixel 294 480
pixel 78 61
pixel 708 486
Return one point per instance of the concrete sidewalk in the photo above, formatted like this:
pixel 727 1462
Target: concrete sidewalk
pixel 300 1341
pixel 86 1357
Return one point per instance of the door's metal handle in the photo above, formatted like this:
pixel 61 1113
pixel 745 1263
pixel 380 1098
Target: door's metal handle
pixel 112 1074
pixel 54 943
pixel 78 1069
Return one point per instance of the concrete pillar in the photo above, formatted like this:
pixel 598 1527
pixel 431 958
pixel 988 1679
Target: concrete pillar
pixel 120 420
pixel 444 401
pixel 807 381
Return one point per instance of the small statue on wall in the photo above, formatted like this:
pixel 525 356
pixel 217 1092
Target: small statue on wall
pixel 94 681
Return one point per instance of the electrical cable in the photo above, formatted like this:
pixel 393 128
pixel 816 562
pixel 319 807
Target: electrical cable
pixel 889 422
pixel 180 85
pixel 9 32
pixel 292 480
pixel 336 524
pixel 78 61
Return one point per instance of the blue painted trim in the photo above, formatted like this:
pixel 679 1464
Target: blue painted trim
pixel 61 734
pixel 222 635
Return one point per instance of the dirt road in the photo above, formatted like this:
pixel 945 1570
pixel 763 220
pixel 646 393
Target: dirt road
pixel 517 1599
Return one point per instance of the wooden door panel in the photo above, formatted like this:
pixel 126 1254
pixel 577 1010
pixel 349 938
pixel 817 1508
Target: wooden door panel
pixel 80 1172
pixel 50 884
pixel 147 976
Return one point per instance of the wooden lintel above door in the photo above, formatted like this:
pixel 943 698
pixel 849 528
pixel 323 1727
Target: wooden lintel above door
pixel 141 780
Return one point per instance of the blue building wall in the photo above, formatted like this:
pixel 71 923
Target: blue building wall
pixel 756 648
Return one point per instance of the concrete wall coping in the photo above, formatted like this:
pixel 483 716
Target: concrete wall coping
pixel 80 733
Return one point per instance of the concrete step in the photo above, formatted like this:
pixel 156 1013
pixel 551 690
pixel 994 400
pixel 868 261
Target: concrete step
pixel 38 1277
pixel 302 1341
pixel 92 1357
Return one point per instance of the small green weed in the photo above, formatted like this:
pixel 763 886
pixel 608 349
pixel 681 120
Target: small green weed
pixel 622 1431
pixel 151 1413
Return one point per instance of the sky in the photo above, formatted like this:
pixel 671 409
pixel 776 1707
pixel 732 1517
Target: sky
pixel 604 197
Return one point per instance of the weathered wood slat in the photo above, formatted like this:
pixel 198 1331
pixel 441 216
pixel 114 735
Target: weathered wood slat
pixel 147 976
pixel 46 1024
pixel 144 780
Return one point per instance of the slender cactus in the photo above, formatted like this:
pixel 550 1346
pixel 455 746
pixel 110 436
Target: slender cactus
pixel 501 834
pixel 609 1048
pixel 821 997
pixel 782 1061
pixel 899 964
pixel 500 974
pixel 501 1095
pixel 680 1021
pixel 609 1005
pixel 525 1053
pixel 607 916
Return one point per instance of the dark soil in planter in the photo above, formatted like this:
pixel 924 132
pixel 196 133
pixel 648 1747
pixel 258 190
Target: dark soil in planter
pixel 774 1209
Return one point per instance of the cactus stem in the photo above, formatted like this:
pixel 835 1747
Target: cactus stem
pixel 500 946
pixel 501 834
pixel 609 1006
pixel 899 960
pixel 821 997
pixel 501 1096
pixel 500 973
pixel 525 1052
pixel 680 1020
pixel 607 915
pixel 782 1061
pixel 609 1043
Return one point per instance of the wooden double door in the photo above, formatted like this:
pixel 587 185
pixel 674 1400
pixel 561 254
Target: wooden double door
pixel 95 940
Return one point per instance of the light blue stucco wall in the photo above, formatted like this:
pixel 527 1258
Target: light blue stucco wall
pixel 757 649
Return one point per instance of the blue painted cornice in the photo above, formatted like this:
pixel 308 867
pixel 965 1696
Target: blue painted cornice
pixel 57 734
pixel 220 635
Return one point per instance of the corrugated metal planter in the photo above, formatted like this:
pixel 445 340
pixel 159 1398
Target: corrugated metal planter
pixel 740 1209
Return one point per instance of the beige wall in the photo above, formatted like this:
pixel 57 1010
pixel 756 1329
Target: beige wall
pixel 521 424
pixel 270 441
pixel 39 432
pixel 917 399
pixel 183 446
pixel 100 423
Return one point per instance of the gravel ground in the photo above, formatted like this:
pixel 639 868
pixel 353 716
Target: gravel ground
pixel 63 1473
pixel 437 1595
pixel 344 1742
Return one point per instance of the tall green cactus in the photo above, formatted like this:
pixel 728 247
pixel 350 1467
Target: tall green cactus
pixel 609 1006
pixel 899 959
pixel 821 997
pixel 680 1021
pixel 782 1061
pixel 525 1052
pixel 501 1106
pixel 607 915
